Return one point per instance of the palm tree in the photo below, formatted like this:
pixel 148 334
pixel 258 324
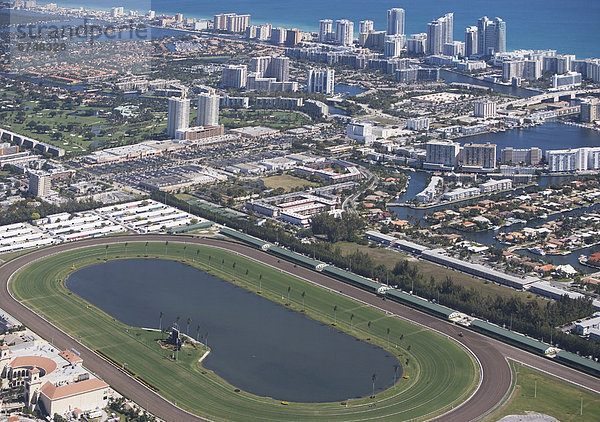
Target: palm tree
pixel 189 321
pixel 335 315
pixel 351 322
pixel 197 331
pixel 184 248
pixel 106 252
pixel 395 373
pixel 288 296
pixel 303 294
pixel 197 254
pixel 126 243
pixel 166 245
pixel 388 336
pixel 146 248
pixel 160 320
pixel 177 321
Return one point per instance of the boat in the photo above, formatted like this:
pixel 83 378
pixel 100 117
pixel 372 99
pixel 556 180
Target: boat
pixel 537 250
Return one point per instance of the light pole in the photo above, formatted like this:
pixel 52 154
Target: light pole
pixel 373 377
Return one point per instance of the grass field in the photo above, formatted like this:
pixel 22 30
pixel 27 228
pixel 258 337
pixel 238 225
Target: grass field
pixel 72 125
pixel 428 269
pixel 287 182
pixel 281 120
pixel 440 373
pixel 541 393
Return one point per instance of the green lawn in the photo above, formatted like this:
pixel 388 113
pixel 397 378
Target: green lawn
pixel 541 393
pixel 73 139
pixel 440 373
pixel 282 120
pixel 287 182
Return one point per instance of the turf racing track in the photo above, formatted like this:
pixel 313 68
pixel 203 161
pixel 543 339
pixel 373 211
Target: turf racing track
pixel 491 354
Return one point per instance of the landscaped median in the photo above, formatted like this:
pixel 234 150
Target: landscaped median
pixel 437 373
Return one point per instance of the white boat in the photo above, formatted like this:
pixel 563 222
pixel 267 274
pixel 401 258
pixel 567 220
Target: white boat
pixel 537 250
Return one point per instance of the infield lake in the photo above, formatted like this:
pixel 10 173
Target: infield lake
pixel 256 345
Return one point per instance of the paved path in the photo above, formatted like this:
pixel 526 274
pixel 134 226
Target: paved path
pixel 491 354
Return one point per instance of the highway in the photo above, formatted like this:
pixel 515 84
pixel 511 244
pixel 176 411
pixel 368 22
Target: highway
pixel 491 354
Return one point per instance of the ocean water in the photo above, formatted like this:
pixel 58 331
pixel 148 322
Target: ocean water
pixel 568 26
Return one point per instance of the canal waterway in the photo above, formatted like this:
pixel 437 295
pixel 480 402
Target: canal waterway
pixel 450 76
pixel 256 345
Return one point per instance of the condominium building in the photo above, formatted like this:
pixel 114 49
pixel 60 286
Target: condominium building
pixel 344 32
pixel 278 35
pixel 566 81
pixel 271 67
pixel 320 80
pixel 208 110
pixel 325 30
pixel 532 70
pixel 485 109
pixel 590 110
pixel 479 155
pixel 512 69
pixel 577 159
pixel 393 45
pixel 395 21
pixel 454 49
pixel 471 37
pixel 417 43
pixel 179 115
pixel 39 183
pixel 231 22
pixel 435 40
pixel 366 26
pixel 418 123
pixel 234 76
pixel 529 156
pixel 491 36
pixel 442 153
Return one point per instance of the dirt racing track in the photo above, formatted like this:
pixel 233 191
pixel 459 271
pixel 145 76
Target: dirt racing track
pixel 492 355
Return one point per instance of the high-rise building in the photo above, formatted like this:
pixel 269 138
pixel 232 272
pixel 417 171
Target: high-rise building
pixel 479 155
pixel 271 67
pixel 320 80
pixel 442 153
pixel 590 110
pixel 325 30
pixel 263 32
pixel 447 27
pixel 179 115
pixel 435 40
pixel 485 109
pixel 293 37
pixel 39 183
pixel 491 36
pixel 393 45
pixel 532 70
pixel 117 12
pixel 344 32
pixel 208 109
pixel 234 76
pixel 417 123
pixel 471 40
pixel 364 27
pixel 512 69
pixel 278 35
pixel 530 156
pixel 454 49
pixel 566 81
pixel 417 43
pixel 395 21
pixel 231 22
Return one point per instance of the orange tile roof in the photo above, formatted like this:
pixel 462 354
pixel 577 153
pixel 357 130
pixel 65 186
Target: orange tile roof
pixel 70 356
pixel 48 365
pixel 53 392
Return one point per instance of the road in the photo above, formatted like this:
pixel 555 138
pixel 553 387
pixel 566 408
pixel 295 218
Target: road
pixel 492 354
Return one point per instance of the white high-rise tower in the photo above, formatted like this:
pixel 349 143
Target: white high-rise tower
pixel 179 115
pixel 208 109
pixel 395 21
